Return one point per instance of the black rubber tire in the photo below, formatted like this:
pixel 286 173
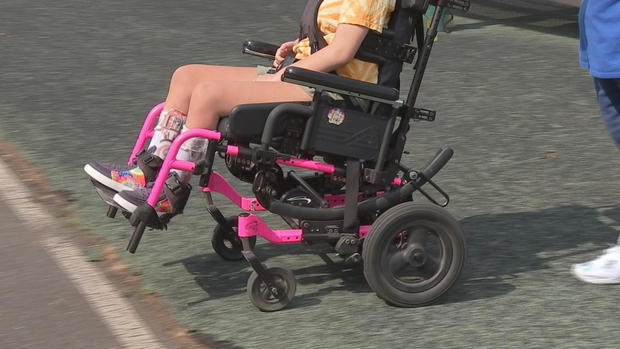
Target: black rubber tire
pixel 227 244
pixel 397 222
pixel 262 298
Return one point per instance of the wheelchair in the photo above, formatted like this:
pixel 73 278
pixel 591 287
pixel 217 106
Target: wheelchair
pixel 357 194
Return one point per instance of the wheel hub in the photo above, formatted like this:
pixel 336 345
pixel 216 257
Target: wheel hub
pixel 274 292
pixel 416 257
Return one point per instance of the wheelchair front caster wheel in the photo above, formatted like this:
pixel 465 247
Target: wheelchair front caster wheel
pixel 275 299
pixel 227 243
pixel 413 254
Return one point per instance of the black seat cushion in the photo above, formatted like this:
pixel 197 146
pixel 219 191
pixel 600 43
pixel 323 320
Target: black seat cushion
pixel 247 121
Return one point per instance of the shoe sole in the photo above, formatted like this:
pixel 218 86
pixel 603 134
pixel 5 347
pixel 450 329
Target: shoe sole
pixel 593 280
pixel 124 204
pixel 104 180
pixel 106 194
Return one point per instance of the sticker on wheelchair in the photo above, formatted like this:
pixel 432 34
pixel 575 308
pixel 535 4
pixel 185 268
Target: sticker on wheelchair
pixel 335 116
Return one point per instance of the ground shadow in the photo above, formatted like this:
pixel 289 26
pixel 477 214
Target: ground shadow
pixel 500 247
pixel 543 16
pixel 220 278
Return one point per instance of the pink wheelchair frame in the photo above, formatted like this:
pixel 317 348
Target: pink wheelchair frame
pixel 250 225
pixel 400 228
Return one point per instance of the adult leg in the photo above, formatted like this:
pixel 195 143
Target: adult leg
pixel 606 268
pixel 608 96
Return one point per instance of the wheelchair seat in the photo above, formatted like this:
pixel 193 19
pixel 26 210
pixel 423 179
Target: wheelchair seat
pixel 247 121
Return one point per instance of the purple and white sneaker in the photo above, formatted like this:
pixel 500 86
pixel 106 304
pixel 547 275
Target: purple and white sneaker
pixel 171 201
pixel 116 177
pixel 125 177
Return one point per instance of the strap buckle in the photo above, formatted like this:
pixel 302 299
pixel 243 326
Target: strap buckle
pixel 407 53
pixel 173 183
pixel 145 156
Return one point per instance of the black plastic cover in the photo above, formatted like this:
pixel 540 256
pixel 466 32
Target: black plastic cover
pixel 340 131
pixel 247 121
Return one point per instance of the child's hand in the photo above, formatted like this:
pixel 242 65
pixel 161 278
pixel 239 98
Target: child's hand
pixel 284 50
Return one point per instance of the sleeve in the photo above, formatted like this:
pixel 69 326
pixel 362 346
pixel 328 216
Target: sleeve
pixel 372 14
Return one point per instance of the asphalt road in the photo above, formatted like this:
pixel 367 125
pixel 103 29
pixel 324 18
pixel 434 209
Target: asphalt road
pixel 40 306
pixel 534 179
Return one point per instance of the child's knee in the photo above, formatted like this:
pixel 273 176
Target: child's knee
pixel 183 75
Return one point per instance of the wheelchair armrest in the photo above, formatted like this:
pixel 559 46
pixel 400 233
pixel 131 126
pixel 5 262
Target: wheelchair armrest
pixel 260 49
pixel 339 84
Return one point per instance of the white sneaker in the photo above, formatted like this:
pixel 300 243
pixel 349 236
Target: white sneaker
pixel 602 270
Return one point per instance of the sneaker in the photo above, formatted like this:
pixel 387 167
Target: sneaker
pixel 125 177
pixel 116 177
pixel 171 201
pixel 602 270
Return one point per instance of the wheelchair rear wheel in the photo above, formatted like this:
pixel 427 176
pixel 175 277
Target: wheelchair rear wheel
pixel 226 243
pixel 413 254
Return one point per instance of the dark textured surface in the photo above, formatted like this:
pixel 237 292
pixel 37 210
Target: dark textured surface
pixel 534 178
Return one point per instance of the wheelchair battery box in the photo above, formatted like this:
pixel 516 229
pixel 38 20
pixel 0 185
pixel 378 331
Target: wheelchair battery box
pixel 336 129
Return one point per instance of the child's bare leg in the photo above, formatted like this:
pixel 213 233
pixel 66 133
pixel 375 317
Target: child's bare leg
pixel 183 82
pixel 212 100
pixel 186 78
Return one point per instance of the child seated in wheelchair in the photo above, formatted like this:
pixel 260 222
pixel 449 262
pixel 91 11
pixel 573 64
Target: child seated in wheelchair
pixel 360 195
pixel 199 95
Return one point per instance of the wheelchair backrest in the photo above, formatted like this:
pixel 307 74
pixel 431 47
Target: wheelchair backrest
pixel 389 49
pixel 401 30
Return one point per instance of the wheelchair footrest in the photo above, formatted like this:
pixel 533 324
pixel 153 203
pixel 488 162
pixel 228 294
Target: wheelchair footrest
pixel 147 215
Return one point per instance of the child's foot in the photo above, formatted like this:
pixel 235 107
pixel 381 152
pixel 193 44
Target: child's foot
pixel 602 270
pixel 116 177
pixel 171 201
pixel 125 177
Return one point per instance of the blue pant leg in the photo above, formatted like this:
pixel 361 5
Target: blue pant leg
pixel 608 95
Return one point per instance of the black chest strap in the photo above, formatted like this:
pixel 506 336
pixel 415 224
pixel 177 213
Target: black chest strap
pixel 309 26
pixel 376 48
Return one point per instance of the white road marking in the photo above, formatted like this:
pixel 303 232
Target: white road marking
pixel 103 297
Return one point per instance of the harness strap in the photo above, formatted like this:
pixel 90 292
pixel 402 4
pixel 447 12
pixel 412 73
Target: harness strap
pixel 375 48
pixel 309 26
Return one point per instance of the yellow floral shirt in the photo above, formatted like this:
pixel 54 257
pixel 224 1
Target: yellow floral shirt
pixel 373 14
